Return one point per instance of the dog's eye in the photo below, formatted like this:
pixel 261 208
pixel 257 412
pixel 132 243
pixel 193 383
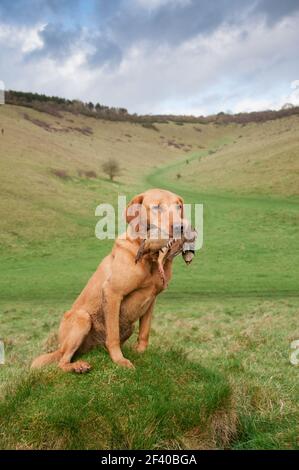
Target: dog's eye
pixel 156 207
pixel 179 207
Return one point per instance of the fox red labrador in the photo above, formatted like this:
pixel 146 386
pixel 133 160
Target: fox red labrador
pixel 121 291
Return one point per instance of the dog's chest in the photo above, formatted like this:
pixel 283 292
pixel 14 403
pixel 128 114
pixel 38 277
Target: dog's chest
pixel 145 304
pixel 157 282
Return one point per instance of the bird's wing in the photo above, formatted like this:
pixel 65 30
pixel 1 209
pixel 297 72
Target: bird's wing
pixel 140 252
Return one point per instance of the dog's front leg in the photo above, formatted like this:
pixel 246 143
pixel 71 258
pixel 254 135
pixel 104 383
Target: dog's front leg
pixel 111 305
pixel 144 329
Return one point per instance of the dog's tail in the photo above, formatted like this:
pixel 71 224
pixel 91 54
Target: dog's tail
pixel 46 359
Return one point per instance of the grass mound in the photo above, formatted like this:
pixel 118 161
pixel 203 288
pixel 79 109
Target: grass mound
pixel 154 406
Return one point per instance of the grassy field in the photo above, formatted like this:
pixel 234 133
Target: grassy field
pixel 217 372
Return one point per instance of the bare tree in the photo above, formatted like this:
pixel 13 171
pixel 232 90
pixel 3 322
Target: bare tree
pixel 111 168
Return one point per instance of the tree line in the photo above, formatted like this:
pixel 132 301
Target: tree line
pixel 55 105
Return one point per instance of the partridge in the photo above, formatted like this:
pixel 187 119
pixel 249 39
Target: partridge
pixel 156 245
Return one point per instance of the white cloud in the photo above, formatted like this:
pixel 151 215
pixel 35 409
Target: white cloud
pixel 25 39
pixel 155 4
pixel 295 84
pixel 293 97
pixel 242 68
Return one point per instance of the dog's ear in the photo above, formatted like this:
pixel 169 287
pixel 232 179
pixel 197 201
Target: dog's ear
pixel 131 213
pixel 181 202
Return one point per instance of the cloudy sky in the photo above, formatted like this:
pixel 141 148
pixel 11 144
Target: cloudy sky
pixel 154 56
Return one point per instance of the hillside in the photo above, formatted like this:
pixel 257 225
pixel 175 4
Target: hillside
pixel 257 159
pixel 44 161
pixel 36 145
pixel 217 373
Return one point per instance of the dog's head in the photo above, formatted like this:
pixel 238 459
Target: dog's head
pixel 159 208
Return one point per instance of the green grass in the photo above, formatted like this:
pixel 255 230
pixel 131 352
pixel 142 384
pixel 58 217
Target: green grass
pixel 217 372
pixel 219 378
pixel 115 408
pixel 253 241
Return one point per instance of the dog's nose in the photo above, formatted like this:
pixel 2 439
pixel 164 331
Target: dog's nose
pixel 178 230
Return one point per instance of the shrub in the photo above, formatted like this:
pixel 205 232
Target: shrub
pixel 37 122
pixel 111 168
pixel 60 174
pixel 90 174
pixel 150 125
pixel 87 174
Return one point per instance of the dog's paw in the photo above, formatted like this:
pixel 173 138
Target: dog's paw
pixel 140 347
pixel 125 363
pixel 81 367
